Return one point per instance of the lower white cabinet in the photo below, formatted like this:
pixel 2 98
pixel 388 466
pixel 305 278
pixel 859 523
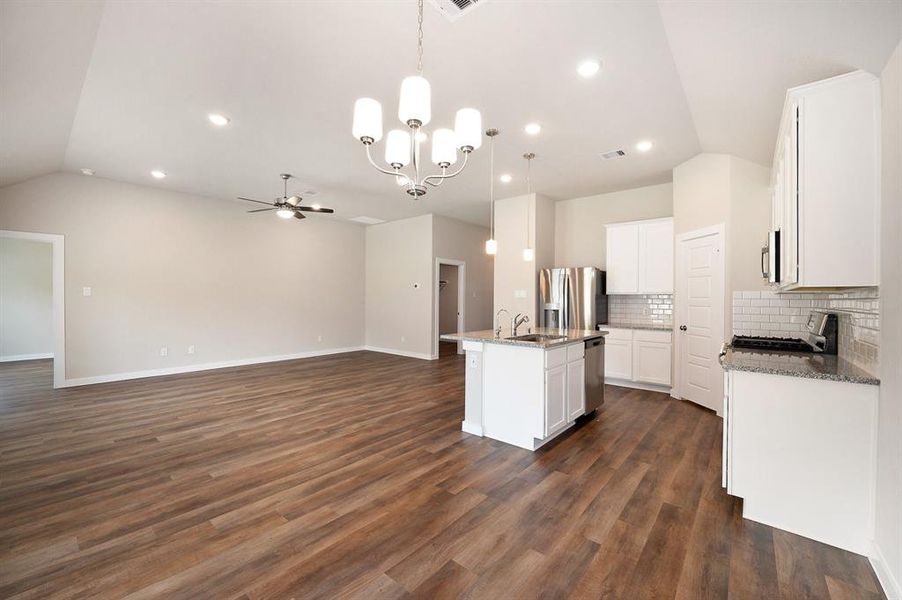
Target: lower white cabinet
pixel 799 452
pixel 576 389
pixel 638 355
pixel 555 399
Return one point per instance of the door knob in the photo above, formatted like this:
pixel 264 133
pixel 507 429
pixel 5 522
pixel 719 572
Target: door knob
pixel 682 328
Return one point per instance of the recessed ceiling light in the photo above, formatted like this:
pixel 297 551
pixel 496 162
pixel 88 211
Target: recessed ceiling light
pixel 644 146
pixel 87 171
pixel 588 68
pixel 505 178
pixel 532 128
pixel 218 120
pixel 157 174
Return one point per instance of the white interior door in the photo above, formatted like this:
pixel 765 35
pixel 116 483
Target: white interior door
pixel 700 316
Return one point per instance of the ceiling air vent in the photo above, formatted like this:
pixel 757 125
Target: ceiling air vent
pixel 454 9
pixel 613 154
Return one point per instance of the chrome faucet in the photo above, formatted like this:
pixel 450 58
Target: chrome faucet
pixel 497 324
pixel 517 321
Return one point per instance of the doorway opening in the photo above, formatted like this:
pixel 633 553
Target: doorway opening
pixel 449 310
pixel 31 300
pixel 699 315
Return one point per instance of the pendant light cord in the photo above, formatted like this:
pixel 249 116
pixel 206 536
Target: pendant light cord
pixel 528 201
pixel 419 37
pixel 492 186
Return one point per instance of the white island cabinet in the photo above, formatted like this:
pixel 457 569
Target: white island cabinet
pixel 524 394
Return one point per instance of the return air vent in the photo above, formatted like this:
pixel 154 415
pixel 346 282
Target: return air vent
pixel 454 9
pixel 611 155
pixel 366 220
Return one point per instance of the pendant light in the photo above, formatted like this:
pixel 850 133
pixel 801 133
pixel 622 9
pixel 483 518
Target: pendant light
pixel 529 253
pixel 491 244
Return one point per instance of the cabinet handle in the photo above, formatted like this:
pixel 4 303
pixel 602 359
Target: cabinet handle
pixel 682 328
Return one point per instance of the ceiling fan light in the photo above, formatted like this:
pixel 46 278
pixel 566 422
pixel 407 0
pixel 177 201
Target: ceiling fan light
pixel 285 213
pixel 397 147
pixel 444 151
pixel 416 100
pixel 468 128
pixel 367 119
pixel 491 247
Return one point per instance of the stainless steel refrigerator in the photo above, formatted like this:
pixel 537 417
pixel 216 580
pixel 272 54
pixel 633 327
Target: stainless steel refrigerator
pixel 572 298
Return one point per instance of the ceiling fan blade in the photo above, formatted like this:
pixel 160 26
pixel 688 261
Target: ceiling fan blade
pixel 257 201
pixel 262 209
pixel 327 211
pixel 298 215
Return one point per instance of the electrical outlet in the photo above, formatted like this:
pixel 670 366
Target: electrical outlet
pixel 403 339
pixel 191 349
pixel 85 291
pixel 164 351
pixel 319 338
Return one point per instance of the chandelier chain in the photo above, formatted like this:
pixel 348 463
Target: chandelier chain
pixel 420 37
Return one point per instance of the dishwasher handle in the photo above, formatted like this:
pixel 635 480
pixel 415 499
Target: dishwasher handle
pixel 593 343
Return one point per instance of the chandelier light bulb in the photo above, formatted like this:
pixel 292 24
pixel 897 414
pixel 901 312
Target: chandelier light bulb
pixel 285 213
pixel 491 247
pixel 367 119
pixel 397 147
pixel 529 254
pixel 416 101
pixel 444 151
pixel 468 128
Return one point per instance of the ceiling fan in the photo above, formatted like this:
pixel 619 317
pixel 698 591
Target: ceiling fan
pixel 287 206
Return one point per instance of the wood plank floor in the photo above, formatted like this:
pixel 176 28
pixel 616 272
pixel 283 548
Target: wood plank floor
pixel 348 477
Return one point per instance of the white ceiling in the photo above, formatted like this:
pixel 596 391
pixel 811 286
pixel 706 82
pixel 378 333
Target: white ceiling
pixel 124 87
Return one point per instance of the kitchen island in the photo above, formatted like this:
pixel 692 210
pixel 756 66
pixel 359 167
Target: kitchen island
pixel 526 390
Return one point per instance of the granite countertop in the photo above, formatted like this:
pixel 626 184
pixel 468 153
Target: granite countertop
pixel 487 336
pixel 649 326
pixel 795 364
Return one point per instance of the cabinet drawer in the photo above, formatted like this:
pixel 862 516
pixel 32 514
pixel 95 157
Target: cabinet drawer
pixel 555 357
pixel 649 335
pixel 617 334
pixel 575 352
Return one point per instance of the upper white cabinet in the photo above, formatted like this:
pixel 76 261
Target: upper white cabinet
pixel 826 184
pixel 640 257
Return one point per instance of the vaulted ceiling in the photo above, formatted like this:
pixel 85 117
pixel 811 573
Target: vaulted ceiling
pixel 125 87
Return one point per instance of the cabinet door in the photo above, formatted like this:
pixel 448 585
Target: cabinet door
pixel 656 258
pixel 789 234
pixel 618 359
pixel 622 264
pixel 651 362
pixel 555 399
pixel 576 389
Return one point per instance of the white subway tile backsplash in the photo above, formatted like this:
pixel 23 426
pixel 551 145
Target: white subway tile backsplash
pixel 774 314
pixel 641 309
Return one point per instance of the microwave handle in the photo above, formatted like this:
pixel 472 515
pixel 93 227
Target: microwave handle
pixel 765 260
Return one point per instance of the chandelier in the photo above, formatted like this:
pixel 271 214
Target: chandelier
pixel 402 148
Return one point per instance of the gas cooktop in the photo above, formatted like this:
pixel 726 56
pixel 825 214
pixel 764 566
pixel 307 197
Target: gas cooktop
pixel 768 343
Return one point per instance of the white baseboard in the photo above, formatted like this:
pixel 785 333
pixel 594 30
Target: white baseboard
pixel 651 387
pixel 471 428
pixel 421 356
pixel 203 367
pixel 18 357
pixel 890 584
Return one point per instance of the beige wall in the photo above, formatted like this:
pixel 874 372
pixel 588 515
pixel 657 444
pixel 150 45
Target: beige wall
pixel 398 284
pixel 457 240
pixel 710 189
pixel 400 275
pixel 169 269
pixel 26 300
pixel 579 239
pixel 513 275
pixel 889 432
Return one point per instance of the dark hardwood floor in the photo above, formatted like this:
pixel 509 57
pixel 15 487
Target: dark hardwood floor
pixel 348 477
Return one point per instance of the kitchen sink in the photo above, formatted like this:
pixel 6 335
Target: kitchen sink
pixel 536 337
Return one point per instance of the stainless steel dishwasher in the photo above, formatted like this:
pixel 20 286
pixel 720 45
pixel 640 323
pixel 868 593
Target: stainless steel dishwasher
pixel 594 374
